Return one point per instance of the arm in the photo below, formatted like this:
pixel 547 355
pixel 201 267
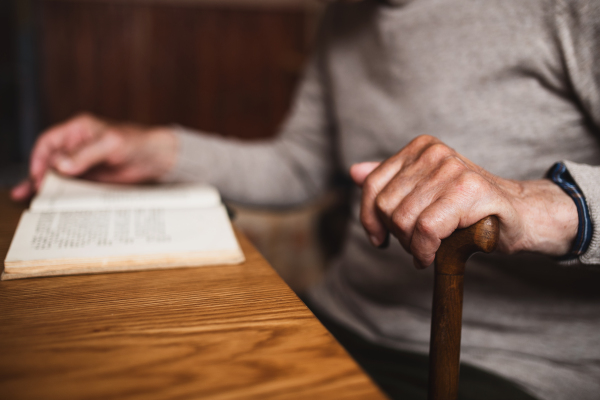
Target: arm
pixel 282 171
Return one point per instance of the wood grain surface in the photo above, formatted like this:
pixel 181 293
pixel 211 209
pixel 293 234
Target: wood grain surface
pixel 223 332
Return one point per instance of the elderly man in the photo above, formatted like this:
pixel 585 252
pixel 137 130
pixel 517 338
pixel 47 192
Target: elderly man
pixel 444 112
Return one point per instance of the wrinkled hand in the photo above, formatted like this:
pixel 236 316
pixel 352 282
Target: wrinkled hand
pixel 427 190
pixel 98 150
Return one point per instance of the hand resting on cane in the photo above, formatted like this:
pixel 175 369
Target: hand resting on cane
pixel 427 190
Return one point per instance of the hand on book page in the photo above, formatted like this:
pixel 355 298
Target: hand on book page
pixel 102 151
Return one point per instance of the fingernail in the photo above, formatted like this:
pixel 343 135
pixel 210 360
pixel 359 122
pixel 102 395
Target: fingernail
pixel 375 241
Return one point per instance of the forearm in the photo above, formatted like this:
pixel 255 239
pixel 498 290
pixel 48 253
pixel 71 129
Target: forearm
pixel 287 170
pixel 278 172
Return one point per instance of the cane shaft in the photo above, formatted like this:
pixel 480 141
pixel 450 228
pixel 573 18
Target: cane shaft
pixel 446 319
pixel 444 358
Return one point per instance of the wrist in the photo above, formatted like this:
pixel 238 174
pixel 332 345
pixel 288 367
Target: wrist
pixel 549 216
pixel 162 148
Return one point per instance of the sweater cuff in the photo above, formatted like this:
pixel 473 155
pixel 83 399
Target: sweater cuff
pixel 586 178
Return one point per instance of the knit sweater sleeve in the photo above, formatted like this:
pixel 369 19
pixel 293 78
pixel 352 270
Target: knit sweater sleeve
pixel 578 32
pixel 287 170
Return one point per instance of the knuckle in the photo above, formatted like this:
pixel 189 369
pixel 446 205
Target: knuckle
pixel 470 182
pixel 86 123
pixel 453 164
pixel 45 142
pixel 370 187
pixel 114 138
pixel 369 183
pixel 83 118
pixel 426 226
pixel 382 204
pixel 424 140
pixel 80 125
pixel 437 152
pixel 401 221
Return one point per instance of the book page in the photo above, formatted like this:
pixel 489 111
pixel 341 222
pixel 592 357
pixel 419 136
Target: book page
pixel 60 194
pixel 87 234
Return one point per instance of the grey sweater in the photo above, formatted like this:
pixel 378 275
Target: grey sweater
pixel 514 85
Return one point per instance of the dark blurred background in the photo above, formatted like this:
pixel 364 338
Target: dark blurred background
pixel 224 66
pixel 9 133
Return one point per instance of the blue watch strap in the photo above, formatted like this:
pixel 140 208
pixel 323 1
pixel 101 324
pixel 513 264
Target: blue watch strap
pixel 560 175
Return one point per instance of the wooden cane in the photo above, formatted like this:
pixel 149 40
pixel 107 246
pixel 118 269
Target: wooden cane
pixel 446 319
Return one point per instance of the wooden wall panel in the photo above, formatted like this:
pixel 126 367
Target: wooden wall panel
pixel 216 68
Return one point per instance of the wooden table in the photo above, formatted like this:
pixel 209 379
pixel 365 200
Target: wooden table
pixel 222 332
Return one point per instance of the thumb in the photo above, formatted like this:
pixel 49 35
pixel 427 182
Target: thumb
pixel 360 171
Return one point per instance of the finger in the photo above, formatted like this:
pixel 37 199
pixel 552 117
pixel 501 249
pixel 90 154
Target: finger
pixel 470 201
pixel 63 138
pixel 376 229
pixel 378 179
pixel 372 186
pixel 360 171
pixel 43 151
pixel 393 194
pixel 435 223
pixel 100 151
pixel 416 191
pixel 23 191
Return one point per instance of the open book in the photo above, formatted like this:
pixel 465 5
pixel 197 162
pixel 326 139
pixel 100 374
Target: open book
pixel 81 227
